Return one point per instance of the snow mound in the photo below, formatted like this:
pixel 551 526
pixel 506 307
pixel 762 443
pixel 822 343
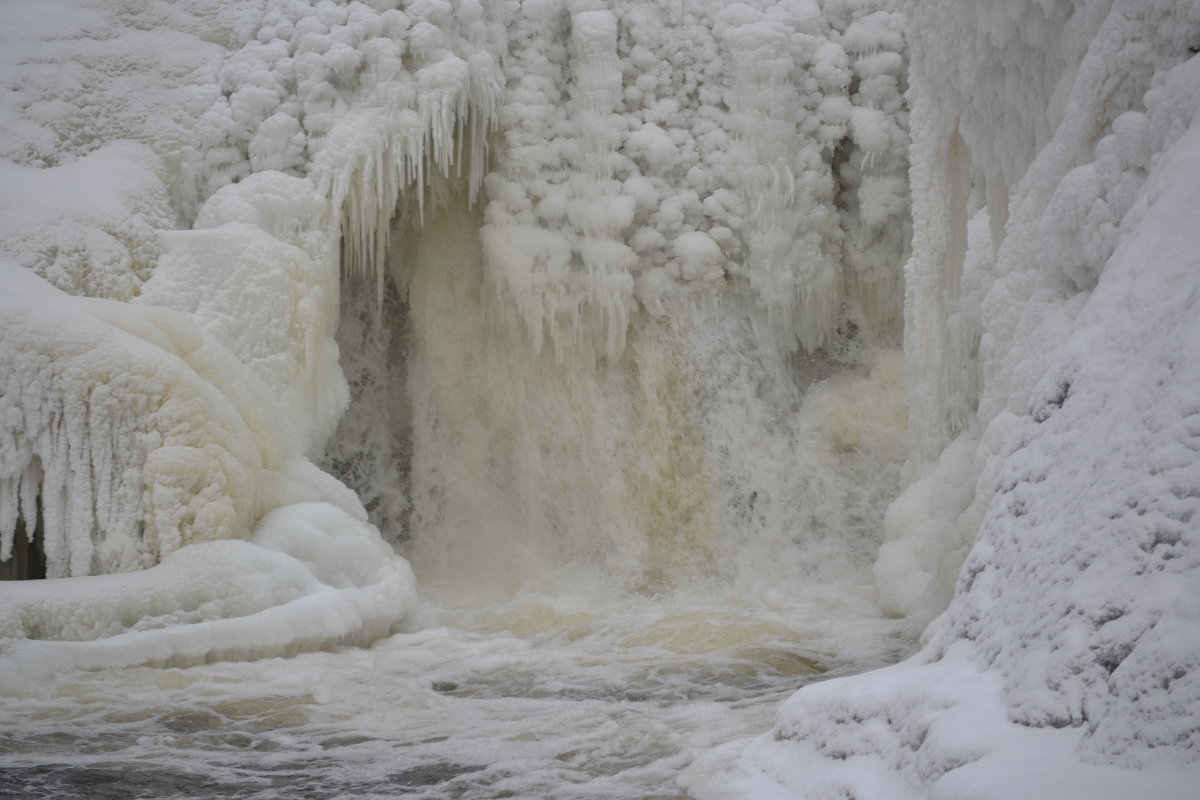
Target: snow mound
pixel 259 272
pixel 88 227
pixel 312 576
pixel 930 731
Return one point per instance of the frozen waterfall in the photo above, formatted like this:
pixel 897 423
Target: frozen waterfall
pixel 576 379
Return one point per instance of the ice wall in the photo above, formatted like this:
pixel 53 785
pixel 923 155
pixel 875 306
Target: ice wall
pixel 1055 149
pixel 657 156
pixel 634 155
pixel 162 391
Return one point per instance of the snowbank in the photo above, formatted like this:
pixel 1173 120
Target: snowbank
pixel 932 731
pixel 90 226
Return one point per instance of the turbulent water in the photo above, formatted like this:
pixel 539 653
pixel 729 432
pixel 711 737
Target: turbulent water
pixel 625 568
pixel 543 695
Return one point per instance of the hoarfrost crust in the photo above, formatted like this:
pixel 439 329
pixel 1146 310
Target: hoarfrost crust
pixel 601 140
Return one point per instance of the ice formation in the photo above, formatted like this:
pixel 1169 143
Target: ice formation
pixel 621 285
pixel 312 576
pixel 163 390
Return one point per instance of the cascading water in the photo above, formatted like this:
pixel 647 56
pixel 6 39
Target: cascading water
pixel 624 561
pixel 706 451
pixel 626 564
pixel 601 351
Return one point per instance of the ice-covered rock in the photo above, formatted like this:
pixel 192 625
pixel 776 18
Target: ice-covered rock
pixel 1065 662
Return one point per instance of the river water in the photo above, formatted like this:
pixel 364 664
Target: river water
pixel 538 695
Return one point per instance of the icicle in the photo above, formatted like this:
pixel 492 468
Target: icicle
pixel 794 261
pixel 31 481
pixel 375 152
pixel 8 516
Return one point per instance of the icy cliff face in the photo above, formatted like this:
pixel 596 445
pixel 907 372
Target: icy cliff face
pixel 638 209
pixel 1102 459
pixel 664 162
pixel 650 163
pixel 1070 132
